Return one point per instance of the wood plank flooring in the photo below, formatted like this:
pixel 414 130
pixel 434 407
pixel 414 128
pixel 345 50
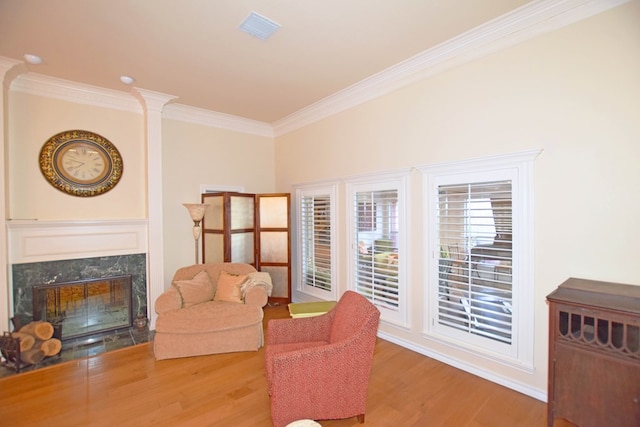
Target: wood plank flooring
pixel 129 388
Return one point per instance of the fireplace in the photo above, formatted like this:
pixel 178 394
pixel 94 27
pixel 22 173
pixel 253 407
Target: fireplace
pixel 48 255
pixel 53 273
pixel 85 307
pixel 57 252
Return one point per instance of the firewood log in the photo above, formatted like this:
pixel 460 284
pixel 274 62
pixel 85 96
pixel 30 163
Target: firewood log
pixel 50 347
pixel 39 329
pixel 26 341
pixel 32 356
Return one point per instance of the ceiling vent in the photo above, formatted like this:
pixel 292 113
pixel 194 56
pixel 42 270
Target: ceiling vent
pixel 259 26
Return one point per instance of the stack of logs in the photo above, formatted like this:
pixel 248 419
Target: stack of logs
pixel 37 342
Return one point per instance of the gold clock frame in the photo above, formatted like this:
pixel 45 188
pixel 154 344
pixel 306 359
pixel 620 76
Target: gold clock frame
pixel 50 164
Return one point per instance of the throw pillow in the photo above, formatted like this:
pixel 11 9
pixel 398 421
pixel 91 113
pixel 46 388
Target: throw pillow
pixel 229 287
pixel 196 290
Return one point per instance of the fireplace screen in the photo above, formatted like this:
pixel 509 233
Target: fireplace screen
pixel 85 307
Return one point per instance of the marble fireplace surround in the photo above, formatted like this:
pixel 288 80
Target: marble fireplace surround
pixel 62 251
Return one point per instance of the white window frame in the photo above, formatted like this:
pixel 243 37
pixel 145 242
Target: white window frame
pixel 394 180
pixel 311 191
pixel 518 168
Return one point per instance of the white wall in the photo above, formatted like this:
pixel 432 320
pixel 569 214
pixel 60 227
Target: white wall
pixel 573 93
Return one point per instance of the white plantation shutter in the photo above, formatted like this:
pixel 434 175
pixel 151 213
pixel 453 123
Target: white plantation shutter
pixel 316 238
pixel 475 261
pixel 479 261
pixel 376 231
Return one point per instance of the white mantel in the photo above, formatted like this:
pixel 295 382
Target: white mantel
pixel 41 241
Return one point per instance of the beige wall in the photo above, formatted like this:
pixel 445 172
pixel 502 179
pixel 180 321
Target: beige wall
pixel 573 93
pixel 195 155
pixel 192 155
pixel 32 121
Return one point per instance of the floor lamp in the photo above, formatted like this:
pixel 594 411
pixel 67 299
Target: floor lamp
pixel 196 210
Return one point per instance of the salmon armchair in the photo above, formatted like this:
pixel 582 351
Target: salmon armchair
pixel 318 367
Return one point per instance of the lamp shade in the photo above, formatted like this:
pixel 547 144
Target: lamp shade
pixel 196 210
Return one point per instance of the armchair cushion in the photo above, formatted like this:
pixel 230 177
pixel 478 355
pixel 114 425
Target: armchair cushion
pixel 229 287
pixel 196 290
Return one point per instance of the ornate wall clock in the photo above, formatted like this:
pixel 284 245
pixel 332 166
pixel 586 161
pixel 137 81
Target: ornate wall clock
pixel 80 163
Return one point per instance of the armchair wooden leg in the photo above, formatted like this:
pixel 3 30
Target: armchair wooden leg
pixel 360 419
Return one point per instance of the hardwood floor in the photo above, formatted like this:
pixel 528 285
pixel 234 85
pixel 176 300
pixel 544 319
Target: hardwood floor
pixel 129 388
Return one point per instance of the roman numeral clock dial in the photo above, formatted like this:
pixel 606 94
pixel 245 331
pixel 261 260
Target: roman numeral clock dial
pixel 81 163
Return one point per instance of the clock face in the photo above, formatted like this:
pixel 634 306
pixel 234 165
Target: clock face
pixel 80 163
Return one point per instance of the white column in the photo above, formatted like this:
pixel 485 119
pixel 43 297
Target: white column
pixel 9 68
pixel 153 103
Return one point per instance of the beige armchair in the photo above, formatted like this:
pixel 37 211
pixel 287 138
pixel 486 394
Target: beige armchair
pixel 211 308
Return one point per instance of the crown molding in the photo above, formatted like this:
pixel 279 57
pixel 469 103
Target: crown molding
pixel 204 117
pixel 51 87
pixel 529 21
pixel 65 90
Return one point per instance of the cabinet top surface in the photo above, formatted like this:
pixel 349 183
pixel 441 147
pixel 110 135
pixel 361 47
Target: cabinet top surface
pixel 616 296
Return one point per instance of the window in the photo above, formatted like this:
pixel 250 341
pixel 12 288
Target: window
pixel 377 265
pixel 475 259
pixel 479 285
pixel 315 225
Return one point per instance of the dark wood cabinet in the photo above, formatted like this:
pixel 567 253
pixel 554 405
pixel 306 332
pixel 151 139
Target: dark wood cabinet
pixel 594 354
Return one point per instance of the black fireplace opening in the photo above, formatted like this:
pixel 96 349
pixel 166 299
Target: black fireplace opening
pixel 85 307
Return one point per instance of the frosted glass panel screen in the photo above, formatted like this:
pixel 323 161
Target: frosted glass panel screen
pixel 242 248
pixel 242 212
pixel 280 280
pixel 274 246
pixel 213 247
pixel 274 212
pixel 213 218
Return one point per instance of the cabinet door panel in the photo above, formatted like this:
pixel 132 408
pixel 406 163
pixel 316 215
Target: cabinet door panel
pixel 593 390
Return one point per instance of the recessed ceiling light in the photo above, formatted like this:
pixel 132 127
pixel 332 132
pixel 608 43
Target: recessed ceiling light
pixel 259 26
pixel 127 80
pixel 32 59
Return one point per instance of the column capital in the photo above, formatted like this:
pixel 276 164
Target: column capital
pixel 152 101
pixel 10 69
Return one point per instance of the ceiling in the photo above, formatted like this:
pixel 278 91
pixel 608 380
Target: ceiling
pixel 194 50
